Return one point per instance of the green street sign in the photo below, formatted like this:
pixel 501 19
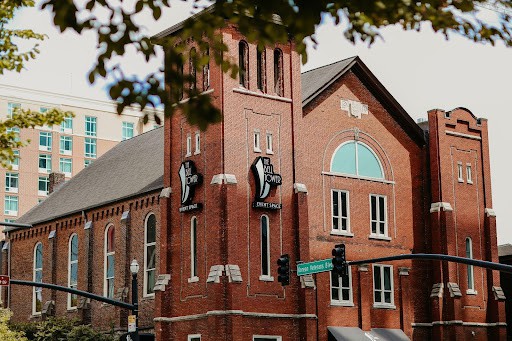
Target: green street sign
pixel 314 267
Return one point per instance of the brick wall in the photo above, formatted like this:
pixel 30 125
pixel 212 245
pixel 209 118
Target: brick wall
pixel 90 266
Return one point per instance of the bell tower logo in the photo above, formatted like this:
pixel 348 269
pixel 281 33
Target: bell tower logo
pixel 189 178
pixel 265 179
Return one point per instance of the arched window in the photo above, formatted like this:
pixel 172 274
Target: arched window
pixel 243 64
pixel 37 296
pixel 265 246
pixel 206 71
pixel 193 247
pixel 469 254
pixel 192 69
pixel 261 69
pixel 356 158
pixel 149 254
pixel 73 270
pixel 278 72
pixel 180 76
pixel 109 261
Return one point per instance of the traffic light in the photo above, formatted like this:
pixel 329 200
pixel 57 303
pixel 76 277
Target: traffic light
pixel 339 263
pixel 283 271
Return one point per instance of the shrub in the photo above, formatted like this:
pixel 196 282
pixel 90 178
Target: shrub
pixel 7 334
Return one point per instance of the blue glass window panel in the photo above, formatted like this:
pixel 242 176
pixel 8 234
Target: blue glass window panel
pixel 344 160
pixel 368 165
pixel 74 248
pixel 110 266
pixel 74 275
pixel 39 256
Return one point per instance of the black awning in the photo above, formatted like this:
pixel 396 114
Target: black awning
pixel 346 334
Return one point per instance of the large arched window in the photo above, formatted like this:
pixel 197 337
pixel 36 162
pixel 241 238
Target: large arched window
pixel 243 64
pixel 149 254
pixel 109 261
pixel 193 247
pixel 356 158
pixel 265 246
pixel 37 296
pixel 278 72
pixel 73 270
pixel 471 277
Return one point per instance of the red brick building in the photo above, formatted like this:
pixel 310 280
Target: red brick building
pixel 300 162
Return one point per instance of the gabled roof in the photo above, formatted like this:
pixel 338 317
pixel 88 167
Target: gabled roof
pixel 131 168
pixel 315 81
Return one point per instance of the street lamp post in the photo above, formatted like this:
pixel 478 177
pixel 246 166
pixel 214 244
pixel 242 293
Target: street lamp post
pixel 134 269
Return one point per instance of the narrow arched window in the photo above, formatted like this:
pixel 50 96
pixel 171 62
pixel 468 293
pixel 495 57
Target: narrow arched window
pixel 149 254
pixel 206 70
pixel 181 80
pixel 278 72
pixel 37 296
pixel 73 270
pixel 243 64
pixel 109 262
pixel 469 254
pixel 265 246
pixel 192 69
pixel 261 69
pixel 193 247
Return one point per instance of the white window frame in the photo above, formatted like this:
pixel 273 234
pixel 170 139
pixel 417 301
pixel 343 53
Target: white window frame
pixel 105 255
pixel 64 128
pixel 146 245
pixel 270 142
pixel 377 234
pixel 192 337
pixel 9 198
pixel 8 176
pixel 265 277
pixel 70 262
pixel 66 160
pixel 341 301
pixel 459 172
pixel 49 138
pixel 48 159
pixel 91 142
pixel 47 181
pixel 127 127
pixel 197 143
pixel 470 270
pixel 15 165
pixel 469 175
pixel 339 216
pixel 189 145
pixel 93 122
pixel 193 251
pixel 384 304
pixel 10 108
pixel 273 337
pixel 257 141
pixel 35 290
pixel 62 143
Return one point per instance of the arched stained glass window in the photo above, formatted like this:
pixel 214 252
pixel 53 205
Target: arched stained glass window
pixel 358 159
pixel 149 255
pixel 73 270
pixel 37 294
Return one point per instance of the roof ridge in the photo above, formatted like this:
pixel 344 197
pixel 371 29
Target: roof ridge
pixel 326 65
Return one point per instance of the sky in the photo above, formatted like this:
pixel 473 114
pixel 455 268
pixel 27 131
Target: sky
pixel 422 70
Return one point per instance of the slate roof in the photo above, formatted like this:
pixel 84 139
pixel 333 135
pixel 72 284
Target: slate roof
pixel 504 250
pixel 316 80
pixel 131 168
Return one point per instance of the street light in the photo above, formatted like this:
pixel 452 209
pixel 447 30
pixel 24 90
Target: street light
pixel 134 269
